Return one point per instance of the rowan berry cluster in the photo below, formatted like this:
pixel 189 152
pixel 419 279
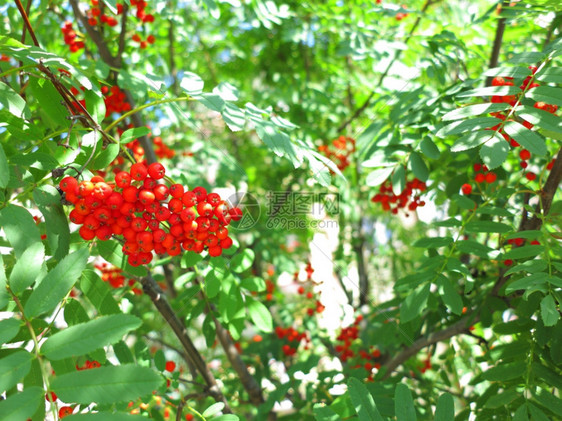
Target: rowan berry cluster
pixel 135 208
pixel 144 18
pixel 293 337
pixel 71 38
pixel 407 199
pixel 367 360
pixel 339 151
pixel 528 83
pixel 4 57
pixel 115 100
pixel 318 306
pixel 114 276
pixel 96 12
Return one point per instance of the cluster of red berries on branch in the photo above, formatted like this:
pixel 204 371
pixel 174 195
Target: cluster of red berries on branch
pixel 318 306
pixel 339 151
pixel 149 216
pixel 114 277
pixel 368 360
pixel 293 337
pixel 426 364
pixel 114 99
pixel 528 83
pixel 71 38
pixel 406 199
pixel 96 12
pixel 4 57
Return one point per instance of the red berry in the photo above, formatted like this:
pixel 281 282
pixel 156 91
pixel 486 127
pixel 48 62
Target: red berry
pixel 65 411
pixel 466 189
pixel 156 170
pixel 170 366
pixel 524 154
pixel 479 178
pixel 139 171
pixel 490 177
pixel 530 176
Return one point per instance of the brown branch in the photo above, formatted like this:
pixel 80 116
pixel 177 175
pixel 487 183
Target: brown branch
pixel 494 57
pixel 397 55
pixel 159 300
pixel 26 22
pixel 455 329
pixel 546 195
pixel 123 33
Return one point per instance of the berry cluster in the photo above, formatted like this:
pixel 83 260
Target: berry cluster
pixel 115 100
pixel 4 57
pixel 387 198
pixel 343 147
pixel 318 306
pixel 362 358
pixel 293 337
pixel 114 276
pixel 96 12
pixel 70 38
pixel 144 18
pixel 135 207
pixel 426 364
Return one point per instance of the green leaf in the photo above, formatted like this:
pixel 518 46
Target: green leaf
pixel 531 266
pixel 414 303
pixel 491 90
pixel 27 268
pixel 487 226
pixel 9 328
pixel 546 94
pixel 526 57
pixel 463 126
pixel 540 118
pixel 362 401
pixel 505 371
pixel 190 259
pixel 433 242
pixel 502 399
pixel 234 117
pixel 494 152
pixel 106 385
pixel 22 405
pixel 472 140
pixel 191 83
pixel 253 283
pixel 521 414
pixel 95 105
pixel 212 284
pixel 549 312
pixel 227 417
pixel 213 409
pixel 12 102
pixel 550 75
pixel 212 101
pixel 527 138
pixel 19 227
pixel 4 169
pixel 451 298
pixel 524 252
pixel 548 400
pixel 279 142
pixel 209 330
pixel 123 353
pixel 428 148
pixel 105 157
pixel 105 416
pixel 86 337
pixel 515 72
pixel 418 167
pixel 260 315
pixel 399 180
pixel 445 409
pixel 56 284
pixel 132 134
pixel 474 110
pixel 47 199
pixel 536 281
pixel 242 261
pixel 324 413
pixel 13 368
pixel 98 293
pixel 536 413
pixel 4 296
pixel 378 176
pixel 404 404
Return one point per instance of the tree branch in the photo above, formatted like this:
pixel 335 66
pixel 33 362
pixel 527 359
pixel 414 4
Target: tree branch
pixel 151 288
pixel 494 57
pixel 397 55
pixel 455 329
